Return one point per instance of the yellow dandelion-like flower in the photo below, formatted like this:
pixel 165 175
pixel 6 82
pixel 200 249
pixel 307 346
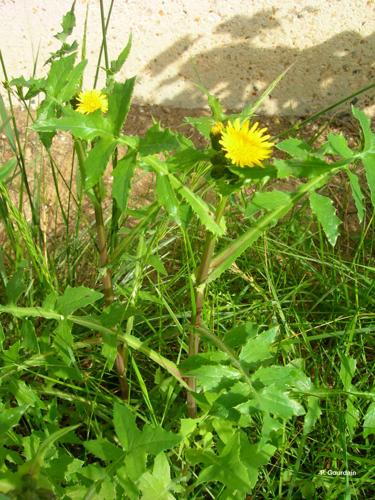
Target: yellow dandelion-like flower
pixel 215 135
pixel 217 128
pixel 245 146
pixel 91 100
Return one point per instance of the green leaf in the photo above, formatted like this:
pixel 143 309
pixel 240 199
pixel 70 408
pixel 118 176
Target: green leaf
pixel 34 86
pixel 369 164
pixel 357 194
pixel 271 200
pixel 72 82
pixel 213 102
pixel 227 468
pixel 81 126
pixel 7 168
pixel 58 75
pixel 45 113
pixel 253 173
pixel 203 124
pixel 259 348
pixel 225 406
pixel 295 147
pixel 76 298
pixel 68 24
pixel 9 417
pixel 279 403
pixel 369 421
pixel 63 342
pixel 108 489
pixel 109 349
pixel 16 286
pixel 254 456
pixel 283 377
pixel 103 449
pixel 197 204
pixel 65 49
pixel 34 312
pixel 325 212
pixel 129 140
pixel 340 146
pixel 122 177
pixel 125 427
pixel 118 63
pixel 238 335
pixel 153 440
pixel 186 158
pixel 211 376
pixel 158 484
pixel 272 400
pixel 351 416
pixel 365 123
pixel 313 414
pixel 158 140
pixel 157 264
pixel 211 358
pixel 119 101
pixel 97 161
pixel 309 168
pixel 24 394
pixel 347 370
pixel 167 197
pixel 215 107
pixel 5 125
pixel 270 429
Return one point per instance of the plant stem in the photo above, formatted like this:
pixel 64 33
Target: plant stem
pixel 102 248
pixel 104 261
pixel 108 288
pixel 196 322
pixel 105 24
pixel 104 33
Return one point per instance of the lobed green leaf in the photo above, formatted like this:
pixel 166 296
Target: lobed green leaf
pixel 76 298
pixel 325 212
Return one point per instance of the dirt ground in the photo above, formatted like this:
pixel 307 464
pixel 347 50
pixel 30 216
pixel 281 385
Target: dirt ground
pixel 42 180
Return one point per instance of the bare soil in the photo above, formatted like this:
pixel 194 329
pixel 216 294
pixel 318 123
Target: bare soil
pixel 43 180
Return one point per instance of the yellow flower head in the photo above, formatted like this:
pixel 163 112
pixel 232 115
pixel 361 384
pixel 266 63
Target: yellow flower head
pixel 245 146
pixel 91 100
pixel 217 129
pixel 215 135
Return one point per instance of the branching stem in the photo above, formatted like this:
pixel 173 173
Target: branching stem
pixel 201 276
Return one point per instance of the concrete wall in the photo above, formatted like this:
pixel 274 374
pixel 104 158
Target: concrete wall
pixel 233 47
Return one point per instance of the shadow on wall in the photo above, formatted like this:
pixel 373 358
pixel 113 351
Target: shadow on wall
pixel 240 70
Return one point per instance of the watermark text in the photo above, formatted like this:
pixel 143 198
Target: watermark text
pixel 330 472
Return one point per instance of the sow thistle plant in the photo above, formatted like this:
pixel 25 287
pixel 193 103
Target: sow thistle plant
pixel 238 384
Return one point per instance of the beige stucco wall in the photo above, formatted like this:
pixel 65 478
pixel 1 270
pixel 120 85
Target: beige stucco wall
pixel 234 47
